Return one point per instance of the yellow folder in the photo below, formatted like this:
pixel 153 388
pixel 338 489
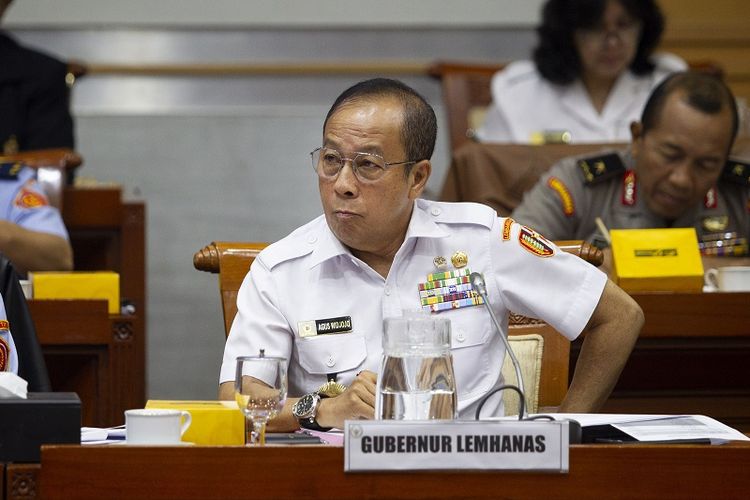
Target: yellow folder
pixel 657 259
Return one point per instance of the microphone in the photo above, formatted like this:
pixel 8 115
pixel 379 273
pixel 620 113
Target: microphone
pixel 479 286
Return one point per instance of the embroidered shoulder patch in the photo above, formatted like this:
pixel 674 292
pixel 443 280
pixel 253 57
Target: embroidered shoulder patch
pixel 598 168
pixel 9 171
pixel 535 243
pixel 559 187
pixel 736 172
pixel 4 355
pixel 507 225
pixel 28 198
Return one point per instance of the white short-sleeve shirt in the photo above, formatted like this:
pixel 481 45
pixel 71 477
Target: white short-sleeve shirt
pixel 524 105
pixel 310 276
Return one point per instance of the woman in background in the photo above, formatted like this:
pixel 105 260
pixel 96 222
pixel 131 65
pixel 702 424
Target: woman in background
pixel 593 69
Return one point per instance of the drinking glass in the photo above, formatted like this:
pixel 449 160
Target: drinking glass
pixel 260 388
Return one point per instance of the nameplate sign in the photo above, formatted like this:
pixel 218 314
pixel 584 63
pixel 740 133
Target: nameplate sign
pixel 372 445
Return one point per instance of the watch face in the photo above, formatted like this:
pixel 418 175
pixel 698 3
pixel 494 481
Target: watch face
pixel 304 407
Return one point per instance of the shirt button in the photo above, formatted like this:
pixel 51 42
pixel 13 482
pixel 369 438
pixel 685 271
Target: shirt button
pixel 460 336
pixel 330 361
pixel 435 211
pixel 312 239
pixel 387 290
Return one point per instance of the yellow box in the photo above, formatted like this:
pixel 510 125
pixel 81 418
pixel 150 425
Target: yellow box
pixel 657 260
pixel 78 285
pixel 213 422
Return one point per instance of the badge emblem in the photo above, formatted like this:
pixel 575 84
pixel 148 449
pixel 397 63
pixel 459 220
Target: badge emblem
pixel 716 224
pixel 562 191
pixel 4 355
pixel 535 243
pixel 459 259
pixel 26 198
pixel 507 225
pixel 441 263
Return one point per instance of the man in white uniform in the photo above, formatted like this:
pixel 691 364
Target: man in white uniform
pixel 318 297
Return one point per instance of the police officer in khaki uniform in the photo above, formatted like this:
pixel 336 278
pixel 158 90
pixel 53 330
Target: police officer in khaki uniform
pixel 675 174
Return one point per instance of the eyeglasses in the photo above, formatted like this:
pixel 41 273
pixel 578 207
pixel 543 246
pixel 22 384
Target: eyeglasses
pixel 625 32
pixel 367 167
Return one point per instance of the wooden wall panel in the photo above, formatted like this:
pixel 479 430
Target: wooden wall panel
pixel 717 30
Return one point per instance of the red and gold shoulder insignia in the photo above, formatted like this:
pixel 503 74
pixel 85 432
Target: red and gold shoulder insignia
pixel 601 167
pixel 4 355
pixel 566 199
pixel 28 198
pixel 710 201
pixel 507 224
pixel 4 325
pixel 535 243
pixel 628 189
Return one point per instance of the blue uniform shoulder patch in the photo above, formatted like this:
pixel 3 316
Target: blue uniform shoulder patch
pixel 9 171
pixel 601 167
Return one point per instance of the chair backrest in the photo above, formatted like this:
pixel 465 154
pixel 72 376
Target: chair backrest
pixel 466 93
pixel 232 260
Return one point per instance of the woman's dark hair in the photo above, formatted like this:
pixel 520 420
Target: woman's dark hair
pixel 556 56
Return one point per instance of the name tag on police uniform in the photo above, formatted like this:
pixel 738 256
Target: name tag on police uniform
pixel 340 324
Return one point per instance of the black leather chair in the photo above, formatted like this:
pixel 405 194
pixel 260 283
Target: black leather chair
pixel 31 365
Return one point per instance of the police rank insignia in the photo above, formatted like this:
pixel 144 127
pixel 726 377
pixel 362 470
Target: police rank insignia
pixel 566 199
pixel 535 243
pixel 736 172
pixel 599 168
pixel 9 171
pixel 448 290
pixel 340 324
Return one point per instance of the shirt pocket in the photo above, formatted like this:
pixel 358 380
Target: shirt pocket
pixel 332 353
pixel 474 364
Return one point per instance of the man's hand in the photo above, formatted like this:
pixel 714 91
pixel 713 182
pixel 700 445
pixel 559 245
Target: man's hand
pixel 356 402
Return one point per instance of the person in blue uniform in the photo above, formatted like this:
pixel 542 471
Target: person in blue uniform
pixel 319 296
pixel 34 98
pixel 32 233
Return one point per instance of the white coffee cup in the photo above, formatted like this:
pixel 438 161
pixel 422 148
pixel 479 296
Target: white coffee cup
pixel 729 279
pixel 154 426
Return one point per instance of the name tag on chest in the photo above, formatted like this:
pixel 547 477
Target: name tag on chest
pixel 311 328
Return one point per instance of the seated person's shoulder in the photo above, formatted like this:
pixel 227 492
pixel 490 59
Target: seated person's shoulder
pixel 458 213
pixel 668 62
pixel 515 75
pixel 299 243
pixel 594 168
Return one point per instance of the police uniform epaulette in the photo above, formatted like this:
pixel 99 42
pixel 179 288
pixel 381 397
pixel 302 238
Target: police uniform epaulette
pixel 10 171
pixel 601 167
pixel 736 172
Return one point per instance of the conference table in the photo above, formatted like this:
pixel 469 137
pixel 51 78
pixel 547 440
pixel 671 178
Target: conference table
pixel 188 472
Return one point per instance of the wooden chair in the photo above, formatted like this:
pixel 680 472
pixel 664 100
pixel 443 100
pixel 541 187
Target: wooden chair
pixel 232 260
pixel 466 93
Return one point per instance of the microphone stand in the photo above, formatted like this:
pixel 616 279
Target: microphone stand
pixel 478 285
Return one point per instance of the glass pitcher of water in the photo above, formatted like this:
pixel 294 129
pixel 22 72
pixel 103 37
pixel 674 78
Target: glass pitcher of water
pixel 416 380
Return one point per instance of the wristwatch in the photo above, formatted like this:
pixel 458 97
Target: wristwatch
pixel 305 410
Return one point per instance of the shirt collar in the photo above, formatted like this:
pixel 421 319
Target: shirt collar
pixel 421 225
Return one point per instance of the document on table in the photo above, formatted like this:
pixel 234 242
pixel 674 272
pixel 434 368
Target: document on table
pixel 96 435
pixel 661 428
